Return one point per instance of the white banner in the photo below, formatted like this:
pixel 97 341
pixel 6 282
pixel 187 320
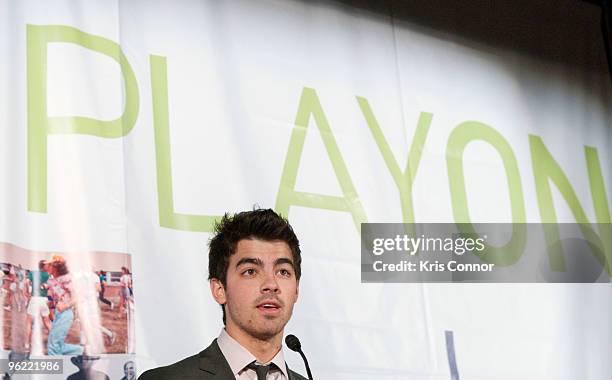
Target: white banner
pixel 128 127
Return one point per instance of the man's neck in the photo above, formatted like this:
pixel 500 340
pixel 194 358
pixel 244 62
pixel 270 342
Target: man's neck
pixel 263 350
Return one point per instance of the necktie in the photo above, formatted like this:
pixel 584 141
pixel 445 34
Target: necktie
pixel 261 370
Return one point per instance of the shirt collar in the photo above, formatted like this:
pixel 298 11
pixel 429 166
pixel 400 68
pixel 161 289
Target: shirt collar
pixel 239 357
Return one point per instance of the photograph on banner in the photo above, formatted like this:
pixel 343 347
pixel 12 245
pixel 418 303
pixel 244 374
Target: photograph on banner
pixel 103 367
pixel 66 303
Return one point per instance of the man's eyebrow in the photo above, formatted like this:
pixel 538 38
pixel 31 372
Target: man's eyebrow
pixel 284 260
pixel 249 260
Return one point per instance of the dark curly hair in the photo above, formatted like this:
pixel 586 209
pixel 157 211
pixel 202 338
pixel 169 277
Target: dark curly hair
pixel 261 224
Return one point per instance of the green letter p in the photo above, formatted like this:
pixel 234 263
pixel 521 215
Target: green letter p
pixel 40 125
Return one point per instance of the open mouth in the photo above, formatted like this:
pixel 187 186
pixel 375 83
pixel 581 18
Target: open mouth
pixel 269 307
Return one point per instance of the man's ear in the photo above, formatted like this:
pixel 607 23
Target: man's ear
pixel 297 290
pixel 218 291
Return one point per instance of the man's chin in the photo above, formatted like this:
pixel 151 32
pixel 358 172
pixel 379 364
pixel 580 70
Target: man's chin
pixel 267 332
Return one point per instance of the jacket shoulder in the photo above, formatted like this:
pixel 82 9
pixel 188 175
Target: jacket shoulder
pixel 184 369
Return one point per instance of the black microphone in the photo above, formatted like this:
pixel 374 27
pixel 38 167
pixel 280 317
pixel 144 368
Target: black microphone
pixel 294 344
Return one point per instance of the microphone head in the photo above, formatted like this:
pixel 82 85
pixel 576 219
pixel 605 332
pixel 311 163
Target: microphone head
pixel 293 343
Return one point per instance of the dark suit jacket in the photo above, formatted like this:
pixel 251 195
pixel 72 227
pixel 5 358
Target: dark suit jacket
pixel 88 375
pixel 209 364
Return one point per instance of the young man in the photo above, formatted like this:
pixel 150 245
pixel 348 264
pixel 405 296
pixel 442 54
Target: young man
pixel 254 272
pixel 102 279
pixel 125 290
pixel 60 289
pixel 86 286
pixel 37 307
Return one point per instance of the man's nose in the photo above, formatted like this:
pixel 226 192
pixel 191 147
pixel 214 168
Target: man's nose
pixel 270 285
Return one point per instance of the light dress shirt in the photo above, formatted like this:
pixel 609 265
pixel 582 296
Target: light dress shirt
pixel 239 357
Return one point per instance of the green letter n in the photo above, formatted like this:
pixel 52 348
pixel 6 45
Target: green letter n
pixel 545 168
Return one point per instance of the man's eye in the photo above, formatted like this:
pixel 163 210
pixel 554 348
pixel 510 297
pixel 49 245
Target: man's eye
pixel 249 272
pixel 285 273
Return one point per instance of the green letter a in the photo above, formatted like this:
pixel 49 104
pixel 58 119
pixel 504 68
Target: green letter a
pixel 287 195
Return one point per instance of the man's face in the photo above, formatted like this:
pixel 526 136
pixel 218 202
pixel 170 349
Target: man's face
pixel 261 289
pixel 129 371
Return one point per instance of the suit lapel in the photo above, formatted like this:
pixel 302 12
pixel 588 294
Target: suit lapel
pixel 290 374
pixel 214 364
